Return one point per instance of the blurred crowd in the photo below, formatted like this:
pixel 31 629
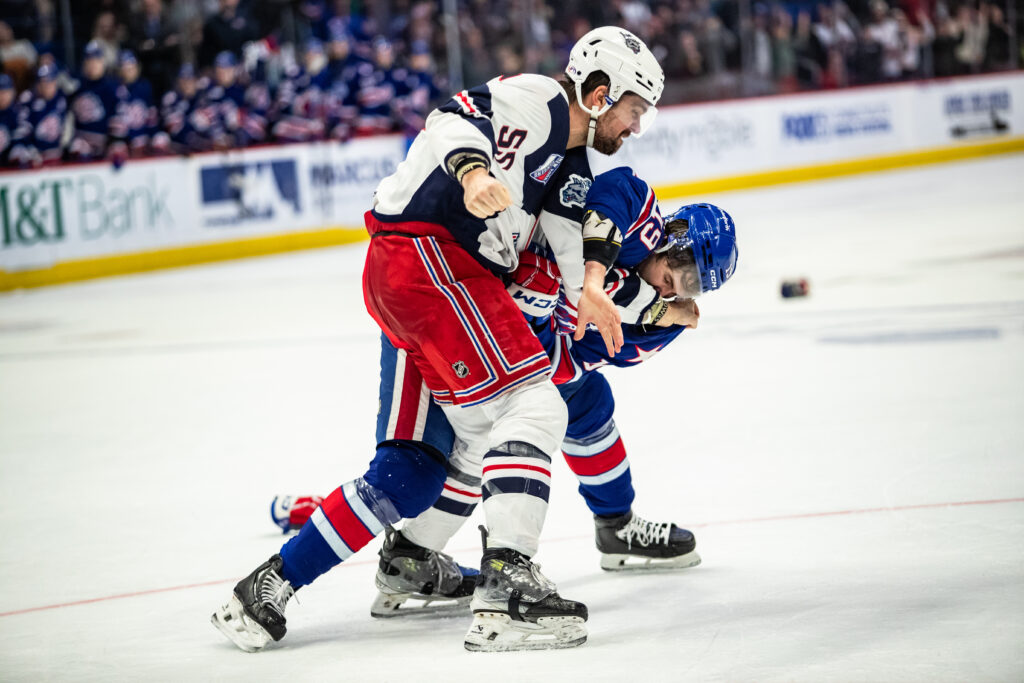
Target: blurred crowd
pixel 123 78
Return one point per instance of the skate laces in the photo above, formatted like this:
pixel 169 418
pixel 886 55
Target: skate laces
pixel 644 532
pixel 275 591
pixel 449 577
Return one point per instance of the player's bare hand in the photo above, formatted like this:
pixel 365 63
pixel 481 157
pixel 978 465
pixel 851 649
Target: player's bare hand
pixel 598 308
pixel 483 194
pixel 681 312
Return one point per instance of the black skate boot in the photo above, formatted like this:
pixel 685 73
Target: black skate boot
pixel 515 607
pixel 631 542
pixel 255 613
pixel 430 582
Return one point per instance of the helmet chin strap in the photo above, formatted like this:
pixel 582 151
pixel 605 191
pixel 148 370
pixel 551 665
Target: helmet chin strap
pixel 594 113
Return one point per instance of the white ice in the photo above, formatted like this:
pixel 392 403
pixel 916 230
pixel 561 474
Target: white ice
pixel 146 422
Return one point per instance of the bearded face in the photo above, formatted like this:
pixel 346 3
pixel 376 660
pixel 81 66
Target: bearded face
pixel 618 123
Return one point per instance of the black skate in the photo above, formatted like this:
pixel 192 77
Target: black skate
pixel 413 580
pixel 255 613
pixel 515 607
pixel 631 542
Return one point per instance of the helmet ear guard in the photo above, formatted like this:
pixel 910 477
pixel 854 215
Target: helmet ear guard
pixel 711 235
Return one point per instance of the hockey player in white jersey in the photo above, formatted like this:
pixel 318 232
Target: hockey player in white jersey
pixel 444 229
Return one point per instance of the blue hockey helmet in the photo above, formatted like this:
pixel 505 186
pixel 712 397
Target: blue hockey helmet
pixel 711 236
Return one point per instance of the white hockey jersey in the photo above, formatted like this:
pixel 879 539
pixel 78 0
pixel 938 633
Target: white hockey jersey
pixel 521 123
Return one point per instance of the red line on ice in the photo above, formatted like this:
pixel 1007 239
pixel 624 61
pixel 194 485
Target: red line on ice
pixel 801 515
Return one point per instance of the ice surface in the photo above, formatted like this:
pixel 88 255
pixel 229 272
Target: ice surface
pixel 146 422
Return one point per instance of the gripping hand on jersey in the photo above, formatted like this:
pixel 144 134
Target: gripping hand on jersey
pixel 483 194
pixel 597 307
pixel 681 312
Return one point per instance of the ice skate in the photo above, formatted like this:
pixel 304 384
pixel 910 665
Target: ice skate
pixel 255 614
pixel 515 607
pixel 413 580
pixel 629 542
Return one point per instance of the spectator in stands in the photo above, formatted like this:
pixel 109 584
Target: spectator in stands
pixel 1000 39
pixel 883 32
pixel 105 35
pixel 157 44
pixel 227 31
pixel 784 53
pixel 686 60
pixel 837 43
pixel 914 40
pixel 42 117
pixel 970 53
pixel 135 122
pixel 8 117
pixel 93 105
pixel 18 57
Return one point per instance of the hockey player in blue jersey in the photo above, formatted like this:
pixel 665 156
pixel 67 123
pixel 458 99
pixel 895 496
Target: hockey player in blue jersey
pixel 8 117
pixel 93 105
pixel 669 262
pixel 691 252
pixel 419 92
pixel 42 117
pixel 377 90
pixel 306 104
pixel 224 98
pixel 135 121
pixel 183 117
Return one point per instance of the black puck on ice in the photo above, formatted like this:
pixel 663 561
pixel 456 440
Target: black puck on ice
pixel 795 288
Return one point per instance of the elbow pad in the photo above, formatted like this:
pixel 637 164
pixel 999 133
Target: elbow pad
pixel 602 239
pixel 461 162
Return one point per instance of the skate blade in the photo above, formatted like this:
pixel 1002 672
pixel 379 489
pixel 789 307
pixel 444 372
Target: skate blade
pixel 620 563
pixel 391 605
pixel 497 632
pixel 232 621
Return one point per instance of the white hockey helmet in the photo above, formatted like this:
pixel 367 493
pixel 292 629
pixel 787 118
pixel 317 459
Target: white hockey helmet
pixel 628 63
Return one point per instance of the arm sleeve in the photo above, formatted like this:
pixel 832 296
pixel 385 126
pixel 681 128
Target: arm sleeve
pixel 460 132
pixel 631 295
pixel 614 202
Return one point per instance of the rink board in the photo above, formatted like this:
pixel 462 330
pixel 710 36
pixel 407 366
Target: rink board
pixel 85 221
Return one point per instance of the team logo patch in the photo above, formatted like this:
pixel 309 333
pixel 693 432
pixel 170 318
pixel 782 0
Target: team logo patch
pixel 574 192
pixel 547 169
pixel 460 368
pixel 631 42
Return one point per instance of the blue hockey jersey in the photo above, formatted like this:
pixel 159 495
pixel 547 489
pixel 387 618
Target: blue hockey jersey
pixel 630 203
pixel 135 121
pixel 94 106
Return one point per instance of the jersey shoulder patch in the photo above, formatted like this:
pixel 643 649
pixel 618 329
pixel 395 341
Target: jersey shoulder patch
pixel 574 191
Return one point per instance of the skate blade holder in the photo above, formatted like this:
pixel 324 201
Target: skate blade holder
pixel 497 632
pixel 611 562
pixel 391 605
pixel 235 624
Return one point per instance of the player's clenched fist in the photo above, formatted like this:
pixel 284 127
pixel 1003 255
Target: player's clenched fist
pixel 484 196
